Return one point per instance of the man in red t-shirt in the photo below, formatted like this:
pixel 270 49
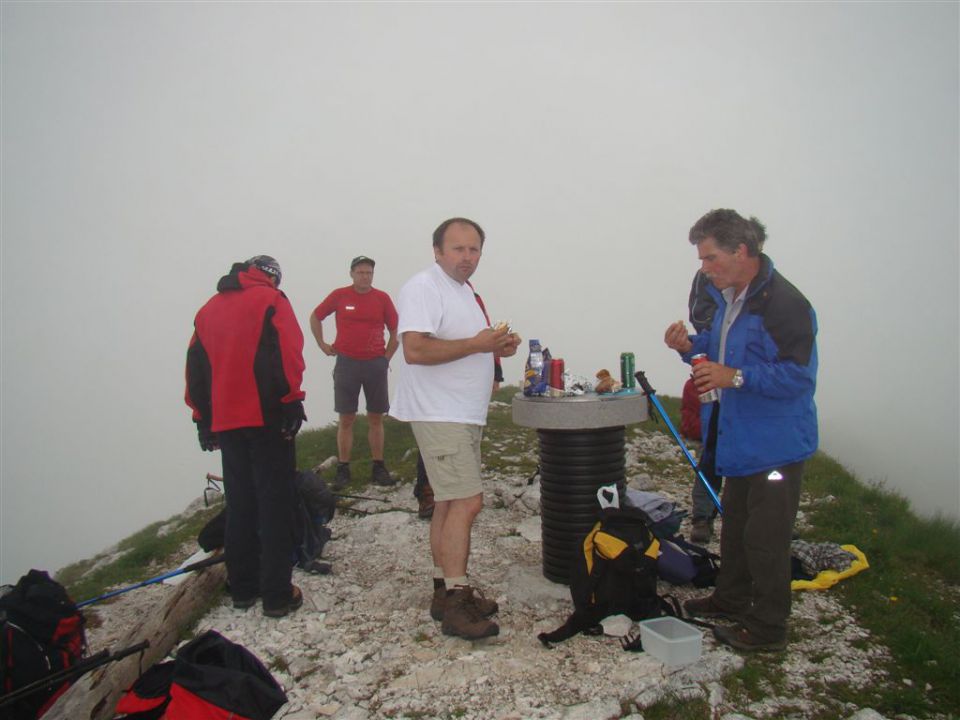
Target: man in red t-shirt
pixel 362 312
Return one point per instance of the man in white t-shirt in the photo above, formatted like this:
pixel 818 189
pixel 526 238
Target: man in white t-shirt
pixel 445 380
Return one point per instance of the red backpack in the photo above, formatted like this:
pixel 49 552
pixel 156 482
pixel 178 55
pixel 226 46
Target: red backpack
pixel 211 679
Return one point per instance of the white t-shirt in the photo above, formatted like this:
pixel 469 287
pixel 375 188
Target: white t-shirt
pixel 458 391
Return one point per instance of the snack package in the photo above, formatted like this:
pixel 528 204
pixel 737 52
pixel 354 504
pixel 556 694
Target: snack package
pixel 606 383
pixel 534 372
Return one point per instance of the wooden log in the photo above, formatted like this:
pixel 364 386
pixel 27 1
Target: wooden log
pixel 95 695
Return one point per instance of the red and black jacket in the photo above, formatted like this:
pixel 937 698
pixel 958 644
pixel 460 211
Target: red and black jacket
pixel 245 359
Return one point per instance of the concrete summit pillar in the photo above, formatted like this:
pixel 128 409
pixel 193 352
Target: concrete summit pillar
pixel 581 449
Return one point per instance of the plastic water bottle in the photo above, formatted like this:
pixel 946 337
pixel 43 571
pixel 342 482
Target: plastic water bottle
pixel 533 373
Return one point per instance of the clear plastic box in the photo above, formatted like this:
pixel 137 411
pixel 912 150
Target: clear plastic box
pixel 671 641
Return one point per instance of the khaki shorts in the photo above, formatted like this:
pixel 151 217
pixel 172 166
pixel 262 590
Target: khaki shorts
pixel 451 454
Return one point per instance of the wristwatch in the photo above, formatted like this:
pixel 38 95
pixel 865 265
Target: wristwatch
pixel 738 379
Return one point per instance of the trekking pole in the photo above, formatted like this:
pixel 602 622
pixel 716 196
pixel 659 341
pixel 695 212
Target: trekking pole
pixel 84 666
pixel 358 497
pixel 199 565
pixel 652 394
pixel 211 487
pixel 217 478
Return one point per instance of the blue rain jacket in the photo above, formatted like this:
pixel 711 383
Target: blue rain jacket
pixel 772 420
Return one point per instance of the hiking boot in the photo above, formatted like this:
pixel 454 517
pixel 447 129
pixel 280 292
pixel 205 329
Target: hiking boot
pixel 702 531
pixel 485 607
pixel 438 602
pixel 380 475
pixel 296 600
pixel 461 618
pixel 342 478
pixel 739 638
pixel 425 510
pixel 705 607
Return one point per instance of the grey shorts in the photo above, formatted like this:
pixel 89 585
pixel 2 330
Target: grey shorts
pixel 451 454
pixel 349 375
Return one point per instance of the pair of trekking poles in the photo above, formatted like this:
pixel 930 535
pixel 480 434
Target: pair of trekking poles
pixel 70 674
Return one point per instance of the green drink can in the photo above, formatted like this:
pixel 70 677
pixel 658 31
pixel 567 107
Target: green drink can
pixel 627 370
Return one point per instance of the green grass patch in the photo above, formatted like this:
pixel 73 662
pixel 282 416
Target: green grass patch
pixel 145 555
pixel 315 446
pixel 655 423
pixel 674 708
pixel 909 596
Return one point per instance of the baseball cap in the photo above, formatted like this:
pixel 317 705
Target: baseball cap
pixel 360 260
pixel 266 264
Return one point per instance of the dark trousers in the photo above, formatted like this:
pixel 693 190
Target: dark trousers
pixel 754 579
pixel 258 473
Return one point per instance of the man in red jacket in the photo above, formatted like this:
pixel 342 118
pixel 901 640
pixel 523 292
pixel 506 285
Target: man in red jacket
pixel 362 312
pixel 244 370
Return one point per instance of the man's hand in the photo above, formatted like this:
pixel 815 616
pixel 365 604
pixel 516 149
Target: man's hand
pixel 500 342
pixel 208 439
pixel 509 349
pixel 489 340
pixel 327 348
pixel 677 338
pixel 709 375
pixel 293 417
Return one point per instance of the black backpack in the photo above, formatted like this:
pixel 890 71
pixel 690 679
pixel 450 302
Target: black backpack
pixel 314 507
pixel 210 678
pixel 42 634
pixel 616 573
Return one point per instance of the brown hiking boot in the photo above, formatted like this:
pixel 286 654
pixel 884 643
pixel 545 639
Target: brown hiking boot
pixel 485 607
pixel 425 511
pixel 296 601
pixel 702 531
pixel 461 617
pixel 740 638
pixel 705 607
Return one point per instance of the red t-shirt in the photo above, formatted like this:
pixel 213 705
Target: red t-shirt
pixel 360 321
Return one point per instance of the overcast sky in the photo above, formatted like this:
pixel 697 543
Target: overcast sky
pixel 147 146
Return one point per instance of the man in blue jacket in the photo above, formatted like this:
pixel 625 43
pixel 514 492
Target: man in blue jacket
pixel 762 360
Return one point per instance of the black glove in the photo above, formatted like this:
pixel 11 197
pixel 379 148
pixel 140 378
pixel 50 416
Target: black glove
pixel 208 439
pixel 291 420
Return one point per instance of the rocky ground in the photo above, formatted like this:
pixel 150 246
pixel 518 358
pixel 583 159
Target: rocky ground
pixel 363 646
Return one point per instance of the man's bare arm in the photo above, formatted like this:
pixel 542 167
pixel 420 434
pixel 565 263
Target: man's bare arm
pixel 425 349
pixel 316 326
